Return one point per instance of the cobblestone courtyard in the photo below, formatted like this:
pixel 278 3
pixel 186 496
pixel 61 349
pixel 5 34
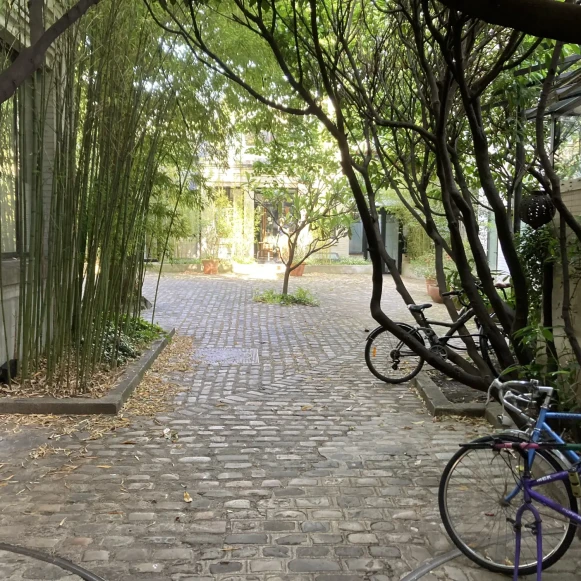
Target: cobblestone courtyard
pixel 300 466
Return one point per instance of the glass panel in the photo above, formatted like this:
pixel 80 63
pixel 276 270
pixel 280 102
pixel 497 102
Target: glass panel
pixel 7 178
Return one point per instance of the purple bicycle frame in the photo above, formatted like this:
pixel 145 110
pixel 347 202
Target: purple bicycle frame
pixel 528 484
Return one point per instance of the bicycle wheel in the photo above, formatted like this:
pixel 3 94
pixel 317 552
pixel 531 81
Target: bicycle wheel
pixel 389 359
pixel 473 506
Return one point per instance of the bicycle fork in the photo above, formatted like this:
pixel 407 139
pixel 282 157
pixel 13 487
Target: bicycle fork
pixel 537 532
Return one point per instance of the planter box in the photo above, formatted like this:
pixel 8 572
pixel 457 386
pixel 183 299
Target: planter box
pixel 108 404
pixel 298 271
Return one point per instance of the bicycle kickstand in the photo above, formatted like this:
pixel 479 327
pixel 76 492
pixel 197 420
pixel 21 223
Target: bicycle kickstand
pixel 537 533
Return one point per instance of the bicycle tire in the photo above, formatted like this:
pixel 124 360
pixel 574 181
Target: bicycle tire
pixel 384 363
pixel 478 549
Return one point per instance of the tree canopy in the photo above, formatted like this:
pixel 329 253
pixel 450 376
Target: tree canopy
pixel 420 100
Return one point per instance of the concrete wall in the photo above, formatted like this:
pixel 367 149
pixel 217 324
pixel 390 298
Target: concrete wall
pixel 571 193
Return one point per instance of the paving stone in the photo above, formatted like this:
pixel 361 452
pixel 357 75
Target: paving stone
pixel 304 447
pixel 44 572
pixel 132 554
pixel 313 565
pixel 314 527
pixel 365 564
pixel 340 577
pixel 266 565
pixel 148 568
pixel 241 503
pixel 276 551
pixel 173 554
pixel 249 539
pixel 292 540
pixel 303 552
pixel 279 526
pixel 96 556
pixel 211 527
pixel 225 567
pixel 392 552
pixel 362 538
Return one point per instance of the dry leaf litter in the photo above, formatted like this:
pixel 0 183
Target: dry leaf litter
pixel 153 396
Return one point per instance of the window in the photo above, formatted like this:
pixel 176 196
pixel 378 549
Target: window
pixel 8 199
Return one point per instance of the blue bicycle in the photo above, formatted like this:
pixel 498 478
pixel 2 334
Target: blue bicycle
pixel 481 488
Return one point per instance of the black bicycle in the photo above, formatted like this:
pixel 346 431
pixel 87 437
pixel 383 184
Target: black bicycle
pixel 392 361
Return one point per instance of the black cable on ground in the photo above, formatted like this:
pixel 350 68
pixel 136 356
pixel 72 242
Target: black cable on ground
pixel 431 565
pixel 53 560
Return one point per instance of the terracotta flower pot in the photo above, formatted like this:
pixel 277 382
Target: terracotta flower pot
pixel 430 282
pixel 210 265
pixel 299 270
pixel 434 293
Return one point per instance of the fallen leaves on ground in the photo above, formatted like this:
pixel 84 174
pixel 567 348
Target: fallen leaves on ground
pixel 153 396
pixel 65 385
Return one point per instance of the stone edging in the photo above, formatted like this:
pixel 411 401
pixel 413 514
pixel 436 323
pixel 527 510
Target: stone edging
pixel 109 404
pixel 439 405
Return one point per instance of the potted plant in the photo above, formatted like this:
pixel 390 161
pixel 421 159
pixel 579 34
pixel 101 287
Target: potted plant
pixel 425 266
pixel 299 255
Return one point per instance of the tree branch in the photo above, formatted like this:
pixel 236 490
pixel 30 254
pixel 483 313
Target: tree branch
pixel 32 57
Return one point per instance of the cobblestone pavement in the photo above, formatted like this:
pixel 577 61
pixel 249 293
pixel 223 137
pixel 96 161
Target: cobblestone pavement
pixel 300 467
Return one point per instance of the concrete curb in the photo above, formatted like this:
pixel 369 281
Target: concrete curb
pixel 439 405
pixel 109 404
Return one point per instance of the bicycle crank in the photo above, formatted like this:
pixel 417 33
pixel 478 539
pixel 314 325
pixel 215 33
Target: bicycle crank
pixel 440 351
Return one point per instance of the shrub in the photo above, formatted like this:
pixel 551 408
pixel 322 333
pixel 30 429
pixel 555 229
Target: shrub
pixel 128 340
pixel 300 297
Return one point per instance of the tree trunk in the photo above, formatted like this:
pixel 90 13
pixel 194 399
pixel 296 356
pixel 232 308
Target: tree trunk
pixel 287 272
pixel 289 264
pixel 542 18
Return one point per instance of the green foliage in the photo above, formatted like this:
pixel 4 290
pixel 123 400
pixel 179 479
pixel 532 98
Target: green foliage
pixel 127 340
pixel 417 241
pixel 136 113
pixel 216 225
pixel 300 297
pixel 301 187
pixel 185 261
pixel 243 260
pixel 424 265
pixel 348 260
pixel 535 249
pixel 562 374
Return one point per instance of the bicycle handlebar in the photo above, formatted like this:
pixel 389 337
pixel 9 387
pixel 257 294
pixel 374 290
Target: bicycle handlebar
pixel 510 393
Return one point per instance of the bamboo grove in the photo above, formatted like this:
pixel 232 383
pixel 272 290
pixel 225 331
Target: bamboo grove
pixel 101 135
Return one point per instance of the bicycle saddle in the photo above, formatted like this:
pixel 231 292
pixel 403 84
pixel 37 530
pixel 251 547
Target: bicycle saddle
pixel 419 308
